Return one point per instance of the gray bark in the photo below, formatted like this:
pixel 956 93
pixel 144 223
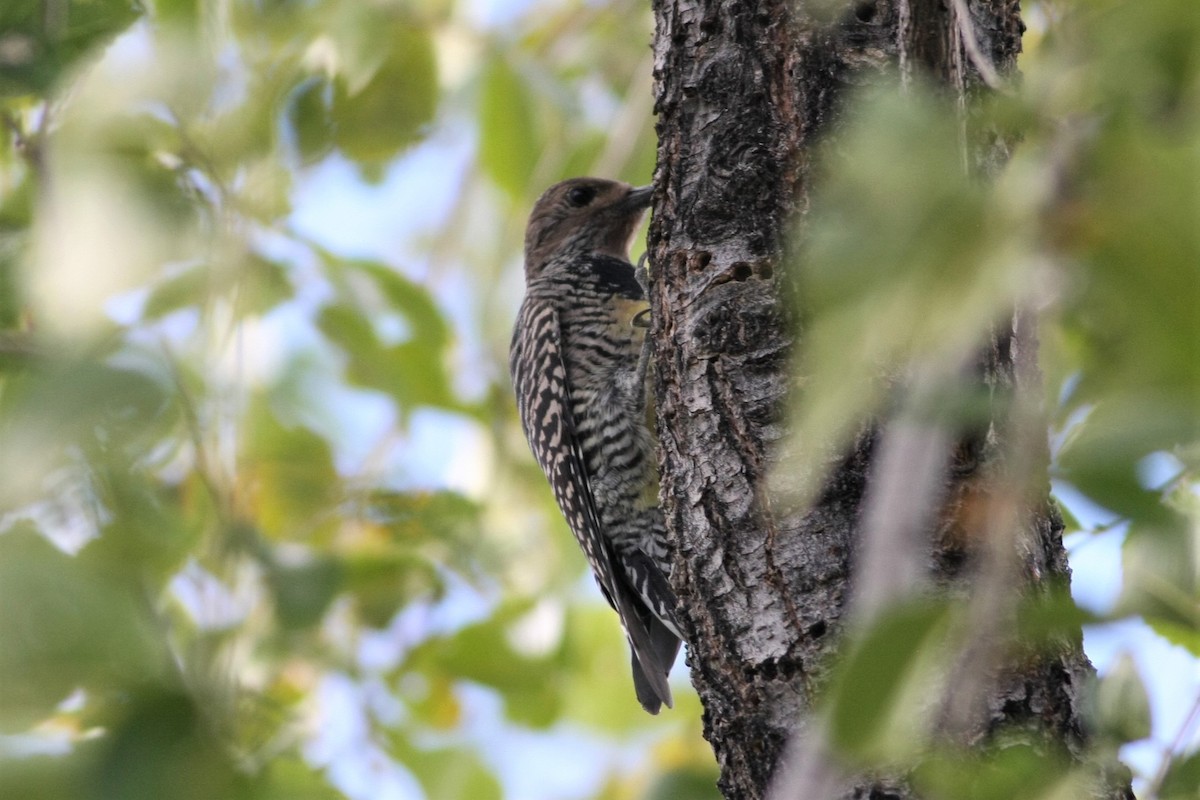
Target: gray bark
pixel 743 91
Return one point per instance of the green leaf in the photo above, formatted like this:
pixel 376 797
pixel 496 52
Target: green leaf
pixel 1006 773
pixel 509 144
pixel 412 371
pixel 308 113
pixel 410 299
pixel 146 538
pixel 1047 618
pixel 1122 705
pixel 303 591
pixel 448 773
pixel 55 777
pixel 289 474
pixel 484 653
pixel 375 122
pixel 1160 581
pixel 41 47
pixel 690 782
pixel 869 683
pixel 384 582
pixel 255 283
pixel 292 779
pixel 64 625
pixel 594 679
pixel 1177 632
pixel 163 746
pixel 1182 778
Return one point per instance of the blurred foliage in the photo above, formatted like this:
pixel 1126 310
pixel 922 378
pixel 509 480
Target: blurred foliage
pixel 217 561
pixel 909 261
pixel 266 517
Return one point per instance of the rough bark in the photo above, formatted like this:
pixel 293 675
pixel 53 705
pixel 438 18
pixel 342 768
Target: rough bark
pixel 743 91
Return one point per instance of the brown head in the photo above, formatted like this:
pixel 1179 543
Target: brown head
pixel 583 215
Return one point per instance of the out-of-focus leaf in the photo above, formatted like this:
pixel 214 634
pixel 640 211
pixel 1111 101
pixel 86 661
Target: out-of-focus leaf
pixel 594 679
pixel 255 283
pixel 1122 705
pixel 1182 778
pixel 162 747
pixel 1160 577
pixel 484 653
pixel 412 371
pixel 692 783
pixel 308 113
pixel 1006 773
pixel 903 261
pixel 289 475
pixel 1178 633
pixel 262 285
pixel 409 298
pixel 382 582
pixel 146 538
pixel 47 414
pixel 65 625
pixel 374 122
pixel 1050 617
pixel 11 293
pixel 183 13
pixel 38 50
pixel 56 777
pixel 509 144
pixel 420 518
pixel 292 779
pixel 303 591
pixel 1071 523
pixel 449 773
pixel 869 683
pixel 438 705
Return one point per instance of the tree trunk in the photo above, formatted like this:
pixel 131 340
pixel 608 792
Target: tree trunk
pixel 743 92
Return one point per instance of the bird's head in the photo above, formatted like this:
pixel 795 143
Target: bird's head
pixel 583 215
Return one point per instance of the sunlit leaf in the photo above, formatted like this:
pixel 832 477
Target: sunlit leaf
pixel 509 141
pixel 65 625
pixel 292 779
pixel 289 475
pixel 412 370
pixel 450 773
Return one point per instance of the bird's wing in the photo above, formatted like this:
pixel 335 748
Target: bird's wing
pixel 550 428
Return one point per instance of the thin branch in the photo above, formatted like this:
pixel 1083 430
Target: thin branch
pixel 983 64
pixel 1176 746
pixel 907 487
pixel 906 490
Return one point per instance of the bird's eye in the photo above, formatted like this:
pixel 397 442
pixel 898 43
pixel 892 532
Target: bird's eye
pixel 580 196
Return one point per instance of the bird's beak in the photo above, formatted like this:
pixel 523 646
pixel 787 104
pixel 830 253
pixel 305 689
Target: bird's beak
pixel 639 197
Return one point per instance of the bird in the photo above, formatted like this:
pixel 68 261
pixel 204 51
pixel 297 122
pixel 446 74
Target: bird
pixel 578 363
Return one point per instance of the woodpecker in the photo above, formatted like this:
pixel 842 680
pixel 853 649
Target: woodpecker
pixel 578 363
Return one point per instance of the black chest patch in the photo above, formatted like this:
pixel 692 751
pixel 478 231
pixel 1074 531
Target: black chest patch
pixel 613 276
